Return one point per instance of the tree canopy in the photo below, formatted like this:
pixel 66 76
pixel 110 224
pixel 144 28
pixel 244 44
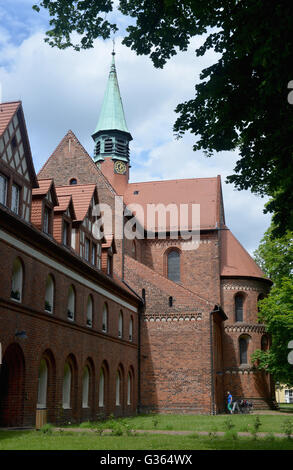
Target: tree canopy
pixel 241 101
pixel 275 256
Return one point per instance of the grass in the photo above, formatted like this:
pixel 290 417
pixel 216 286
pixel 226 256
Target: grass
pixel 241 423
pixel 122 437
pixel 34 440
pixel 286 407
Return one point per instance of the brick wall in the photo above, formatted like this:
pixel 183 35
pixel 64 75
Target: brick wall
pixel 243 379
pixel 54 337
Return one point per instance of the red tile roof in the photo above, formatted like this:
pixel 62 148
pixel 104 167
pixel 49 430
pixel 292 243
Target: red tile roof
pixel 203 191
pixel 81 196
pixel 235 260
pixel 109 241
pixel 44 186
pixel 7 111
pixel 64 202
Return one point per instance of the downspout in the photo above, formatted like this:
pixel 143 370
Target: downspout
pixel 213 411
pixel 123 248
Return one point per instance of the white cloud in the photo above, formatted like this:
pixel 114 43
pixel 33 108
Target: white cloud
pixel 63 90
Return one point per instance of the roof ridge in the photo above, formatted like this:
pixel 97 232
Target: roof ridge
pixel 10 102
pixel 172 180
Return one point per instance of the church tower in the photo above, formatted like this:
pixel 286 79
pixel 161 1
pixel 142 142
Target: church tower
pixel 112 137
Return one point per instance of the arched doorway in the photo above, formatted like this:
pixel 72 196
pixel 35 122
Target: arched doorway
pixel 12 387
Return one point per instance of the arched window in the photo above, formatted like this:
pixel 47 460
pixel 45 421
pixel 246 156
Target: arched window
pixel 89 311
pixel 102 388
pixel 239 307
pixel 42 385
pixel 17 280
pixel 118 387
pixel 129 389
pixel 243 348
pixel 105 318
pixel 49 295
pixel 71 304
pixel 173 265
pixel 73 181
pixel 85 387
pixel 120 325
pixel 66 398
pixel 130 329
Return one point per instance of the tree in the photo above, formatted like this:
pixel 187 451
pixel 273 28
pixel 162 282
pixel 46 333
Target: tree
pixel 242 100
pixel 275 256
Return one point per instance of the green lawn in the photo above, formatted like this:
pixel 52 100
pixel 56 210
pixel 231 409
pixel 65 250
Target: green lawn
pixel 34 440
pixel 122 437
pixel 242 423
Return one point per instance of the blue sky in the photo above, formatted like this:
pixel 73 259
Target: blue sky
pixel 63 90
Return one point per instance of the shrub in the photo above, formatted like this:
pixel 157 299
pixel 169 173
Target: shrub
pixel 229 425
pixel 47 428
pixel 155 421
pixel 85 424
pixel 287 427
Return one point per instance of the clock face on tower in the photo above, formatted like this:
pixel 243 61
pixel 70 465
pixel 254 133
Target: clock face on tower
pixel 120 168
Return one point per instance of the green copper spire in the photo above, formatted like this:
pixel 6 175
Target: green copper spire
pixel 111 135
pixel 112 114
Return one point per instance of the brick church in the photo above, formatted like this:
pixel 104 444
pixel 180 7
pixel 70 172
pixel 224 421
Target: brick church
pixel 95 322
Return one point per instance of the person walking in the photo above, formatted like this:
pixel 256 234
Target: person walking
pixel 229 402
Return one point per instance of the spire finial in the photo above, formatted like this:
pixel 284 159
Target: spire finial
pixel 113 51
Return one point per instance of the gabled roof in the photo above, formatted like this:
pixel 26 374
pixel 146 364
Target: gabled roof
pixel 109 241
pixel 235 260
pixel 81 195
pixel 45 186
pixel 7 112
pixel 203 191
pixel 65 202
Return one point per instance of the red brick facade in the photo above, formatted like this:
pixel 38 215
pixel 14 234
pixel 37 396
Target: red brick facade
pixel 182 345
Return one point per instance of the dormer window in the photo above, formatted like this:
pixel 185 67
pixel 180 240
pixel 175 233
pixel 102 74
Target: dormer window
pixel 3 189
pixel 87 249
pixel 66 233
pixel 94 254
pixel 99 254
pixel 109 264
pixel 15 198
pixel 46 223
